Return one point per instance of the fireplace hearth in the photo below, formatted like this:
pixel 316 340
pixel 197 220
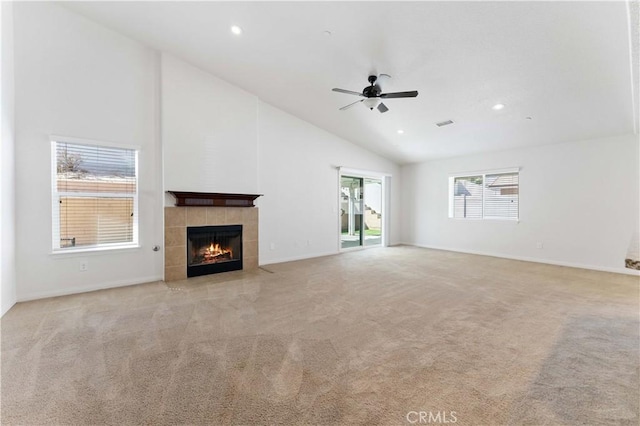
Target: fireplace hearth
pixel 213 249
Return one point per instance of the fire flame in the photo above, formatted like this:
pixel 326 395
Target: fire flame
pixel 215 250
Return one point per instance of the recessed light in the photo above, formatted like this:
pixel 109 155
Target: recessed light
pixel 236 30
pixel 497 107
pixel 400 131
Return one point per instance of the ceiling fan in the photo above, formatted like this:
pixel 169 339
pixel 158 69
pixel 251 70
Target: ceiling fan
pixel 373 95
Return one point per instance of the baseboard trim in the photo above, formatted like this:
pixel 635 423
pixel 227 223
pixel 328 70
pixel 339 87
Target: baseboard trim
pixel 124 283
pixel 77 290
pixel 6 306
pixel 624 271
pixel 303 257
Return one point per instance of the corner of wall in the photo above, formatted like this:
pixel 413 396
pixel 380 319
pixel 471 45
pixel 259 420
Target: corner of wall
pixel 633 13
pixel 7 168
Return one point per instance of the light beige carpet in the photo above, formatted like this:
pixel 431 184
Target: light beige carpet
pixel 380 336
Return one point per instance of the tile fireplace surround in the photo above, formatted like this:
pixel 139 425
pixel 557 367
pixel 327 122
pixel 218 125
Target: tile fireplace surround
pixel 177 219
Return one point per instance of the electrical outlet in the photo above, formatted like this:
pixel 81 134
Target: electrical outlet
pixel 84 265
pixel 539 244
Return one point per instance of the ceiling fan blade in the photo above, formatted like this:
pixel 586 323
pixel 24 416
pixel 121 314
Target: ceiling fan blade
pixel 411 94
pixel 350 105
pixel 348 92
pixel 382 107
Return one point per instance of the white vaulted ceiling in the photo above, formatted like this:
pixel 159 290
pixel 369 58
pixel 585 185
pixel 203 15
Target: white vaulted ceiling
pixel 567 65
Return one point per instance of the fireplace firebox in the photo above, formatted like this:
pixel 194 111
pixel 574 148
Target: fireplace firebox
pixel 213 249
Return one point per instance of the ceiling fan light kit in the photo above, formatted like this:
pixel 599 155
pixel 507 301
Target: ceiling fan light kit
pixel 373 95
pixel 372 103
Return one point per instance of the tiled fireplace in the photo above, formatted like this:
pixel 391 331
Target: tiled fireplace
pixel 178 219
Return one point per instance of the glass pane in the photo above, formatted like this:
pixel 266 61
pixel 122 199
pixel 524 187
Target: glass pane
pixel 501 193
pixel 467 197
pixel 372 212
pixel 90 221
pixel 351 211
pixel 95 169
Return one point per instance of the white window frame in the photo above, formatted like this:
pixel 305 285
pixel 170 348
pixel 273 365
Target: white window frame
pixel 56 195
pixel 483 173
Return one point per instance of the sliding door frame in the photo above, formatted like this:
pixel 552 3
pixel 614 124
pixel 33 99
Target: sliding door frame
pixel 385 179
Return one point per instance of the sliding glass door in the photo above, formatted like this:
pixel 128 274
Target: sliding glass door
pixel 360 211
pixel 351 202
pixel 372 216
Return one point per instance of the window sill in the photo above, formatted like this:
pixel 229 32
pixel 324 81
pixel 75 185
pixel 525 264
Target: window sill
pixel 95 250
pixel 489 219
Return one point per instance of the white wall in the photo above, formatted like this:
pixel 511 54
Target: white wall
pixel 208 132
pixel 7 167
pixel 579 198
pixel 299 179
pixel 219 138
pixel 76 78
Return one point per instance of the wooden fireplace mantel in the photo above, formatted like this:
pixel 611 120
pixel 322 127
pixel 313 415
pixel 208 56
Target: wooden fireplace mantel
pixel 213 199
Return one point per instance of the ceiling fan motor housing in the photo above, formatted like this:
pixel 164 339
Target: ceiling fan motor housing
pixel 371 91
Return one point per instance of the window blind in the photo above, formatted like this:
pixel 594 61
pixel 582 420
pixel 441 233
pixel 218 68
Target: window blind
pixel 94 196
pixel 501 196
pixel 467 197
pixel 485 196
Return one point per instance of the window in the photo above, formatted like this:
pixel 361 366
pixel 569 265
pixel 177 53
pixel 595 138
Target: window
pixel 95 196
pixel 487 195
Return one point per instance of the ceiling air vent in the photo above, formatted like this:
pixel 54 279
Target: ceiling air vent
pixel 444 123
